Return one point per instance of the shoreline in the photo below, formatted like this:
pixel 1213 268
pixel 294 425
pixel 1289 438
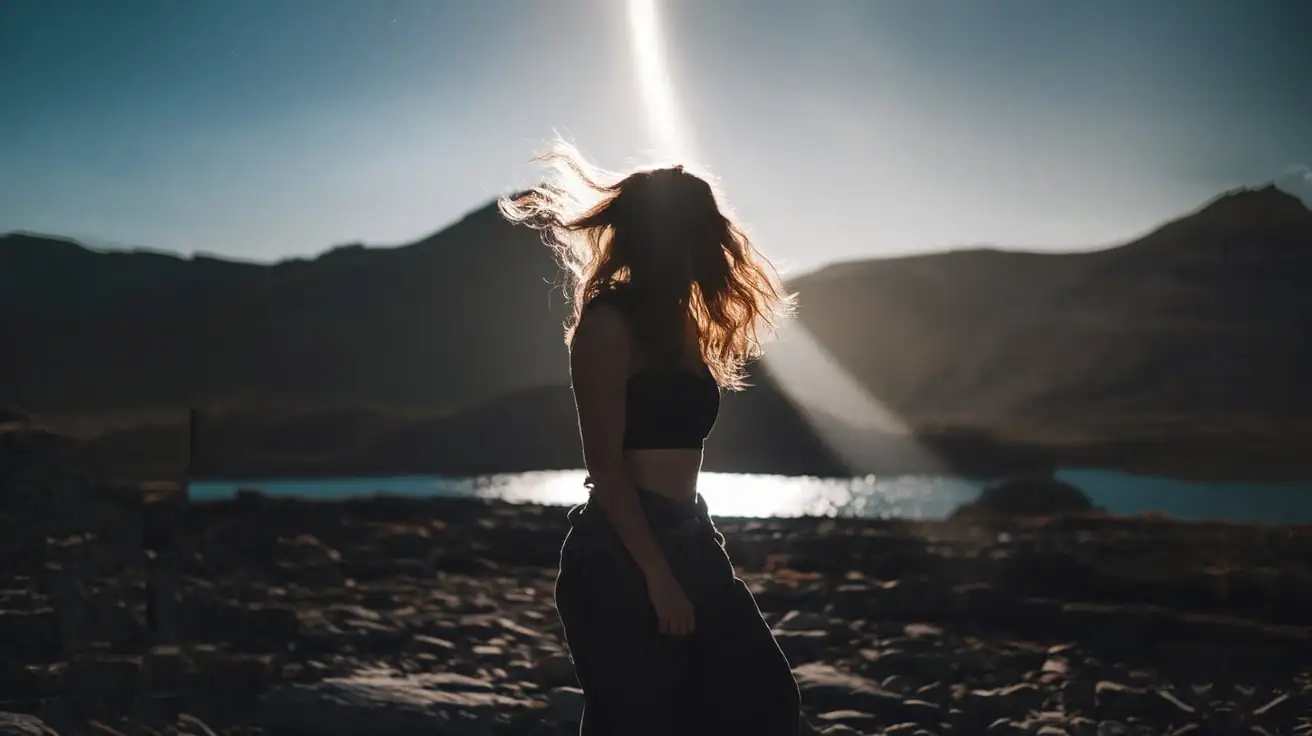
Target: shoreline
pixel 976 478
pixel 1114 494
pixel 340 616
pixel 1189 471
pixel 431 442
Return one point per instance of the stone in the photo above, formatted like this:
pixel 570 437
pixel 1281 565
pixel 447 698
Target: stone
pixel 1280 710
pixel 105 685
pixel 802 647
pixel 802 621
pixel 985 707
pixel 237 681
pixel 31 636
pixel 1057 666
pixel 852 718
pixel 554 670
pixel 1008 727
pixel 269 627
pixel 921 712
pixel 906 729
pixel 826 688
pixel 165 670
pixel 565 705
pixel 382 701
pixel 1118 701
pixel 19 724
pixel 1025 497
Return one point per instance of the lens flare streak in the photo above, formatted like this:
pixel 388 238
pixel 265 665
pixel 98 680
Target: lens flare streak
pixel 654 84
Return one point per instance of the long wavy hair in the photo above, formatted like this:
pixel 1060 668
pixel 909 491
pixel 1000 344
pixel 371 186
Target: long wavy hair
pixel 660 236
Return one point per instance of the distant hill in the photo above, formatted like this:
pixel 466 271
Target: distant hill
pixel 421 358
pixel 462 315
pixel 1194 337
pixel 1183 350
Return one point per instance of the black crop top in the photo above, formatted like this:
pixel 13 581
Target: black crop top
pixel 666 408
pixel 669 409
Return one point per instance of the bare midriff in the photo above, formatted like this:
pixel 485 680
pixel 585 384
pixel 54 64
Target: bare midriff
pixel 670 472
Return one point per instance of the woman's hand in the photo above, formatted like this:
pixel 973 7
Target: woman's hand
pixel 673 609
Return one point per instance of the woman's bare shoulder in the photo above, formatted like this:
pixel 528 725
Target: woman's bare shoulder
pixel 602 332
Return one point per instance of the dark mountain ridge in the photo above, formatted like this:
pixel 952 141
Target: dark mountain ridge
pixel 1147 355
pixel 374 325
pixel 1198 328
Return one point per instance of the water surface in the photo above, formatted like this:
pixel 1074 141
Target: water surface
pixel 910 496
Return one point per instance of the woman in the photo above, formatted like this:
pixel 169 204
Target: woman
pixel 669 304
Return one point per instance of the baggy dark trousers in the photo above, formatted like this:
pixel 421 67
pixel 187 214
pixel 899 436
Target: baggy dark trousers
pixel 729 677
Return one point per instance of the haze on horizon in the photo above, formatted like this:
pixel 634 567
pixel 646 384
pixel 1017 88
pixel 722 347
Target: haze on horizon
pixel 261 129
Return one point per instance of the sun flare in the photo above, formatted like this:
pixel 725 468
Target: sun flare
pixel 654 84
pixel 855 424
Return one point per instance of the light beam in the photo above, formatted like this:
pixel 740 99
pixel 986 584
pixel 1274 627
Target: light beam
pixel 655 87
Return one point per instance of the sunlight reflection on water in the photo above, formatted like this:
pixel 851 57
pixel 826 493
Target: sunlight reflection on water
pixel 907 496
pixel 727 494
pixel 741 494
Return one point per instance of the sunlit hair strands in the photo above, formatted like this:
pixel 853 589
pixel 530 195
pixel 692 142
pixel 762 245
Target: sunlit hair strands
pixel 662 234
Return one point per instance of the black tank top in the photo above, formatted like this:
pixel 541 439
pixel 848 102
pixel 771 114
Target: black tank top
pixel 665 408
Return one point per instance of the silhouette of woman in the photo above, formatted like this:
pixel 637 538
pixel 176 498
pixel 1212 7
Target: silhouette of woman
pixel 670 301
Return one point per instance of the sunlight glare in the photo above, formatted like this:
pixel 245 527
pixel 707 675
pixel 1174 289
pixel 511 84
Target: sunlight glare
pixel 654 84
pixel 850 420
pixel 760 496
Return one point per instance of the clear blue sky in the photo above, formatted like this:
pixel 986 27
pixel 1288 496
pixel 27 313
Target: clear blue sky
pixel 839 128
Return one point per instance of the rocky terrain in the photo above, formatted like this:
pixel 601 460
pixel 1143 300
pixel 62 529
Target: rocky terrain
pixel 123 611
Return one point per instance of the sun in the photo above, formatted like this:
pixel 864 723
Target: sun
pixel 654 85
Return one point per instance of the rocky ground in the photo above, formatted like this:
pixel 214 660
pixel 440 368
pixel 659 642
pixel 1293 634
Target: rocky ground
pixel 390 616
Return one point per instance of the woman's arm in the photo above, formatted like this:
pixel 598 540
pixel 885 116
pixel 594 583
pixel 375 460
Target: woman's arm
pixel 599 370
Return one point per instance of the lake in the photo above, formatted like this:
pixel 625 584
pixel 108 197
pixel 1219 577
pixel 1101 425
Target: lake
pixel 912 497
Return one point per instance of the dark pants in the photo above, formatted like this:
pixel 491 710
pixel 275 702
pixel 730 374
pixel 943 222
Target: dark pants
pixel 729 677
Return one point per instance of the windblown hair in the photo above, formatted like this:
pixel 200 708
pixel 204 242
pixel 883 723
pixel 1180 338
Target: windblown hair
pixel 659 236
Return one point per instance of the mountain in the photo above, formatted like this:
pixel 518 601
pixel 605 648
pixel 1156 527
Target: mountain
pixel 464 314
pixel 431 357
pixel 1192 340
pixel 1182 352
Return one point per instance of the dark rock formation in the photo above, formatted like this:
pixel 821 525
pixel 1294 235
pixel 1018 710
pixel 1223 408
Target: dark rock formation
pixel 1035 497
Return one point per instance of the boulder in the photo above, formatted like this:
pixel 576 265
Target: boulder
pixel 1026 497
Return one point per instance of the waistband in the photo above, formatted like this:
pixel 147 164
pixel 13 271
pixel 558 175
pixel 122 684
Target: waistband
pixel 661 511
pixel 669 519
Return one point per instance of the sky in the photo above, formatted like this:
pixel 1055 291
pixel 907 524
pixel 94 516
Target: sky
pixel 838 129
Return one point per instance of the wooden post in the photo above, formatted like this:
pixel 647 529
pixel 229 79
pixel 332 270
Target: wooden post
pixel 193 445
